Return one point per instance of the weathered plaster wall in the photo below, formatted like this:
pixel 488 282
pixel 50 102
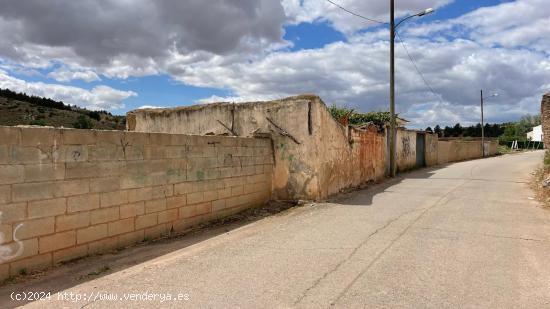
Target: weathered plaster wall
pixel 459 150
pixel 431 149
pixel 67 193
pixel 406 150
pixel 545 119
pixel 313 153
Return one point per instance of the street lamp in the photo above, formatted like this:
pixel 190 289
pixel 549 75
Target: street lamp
pixel 393 27
pixel 482 125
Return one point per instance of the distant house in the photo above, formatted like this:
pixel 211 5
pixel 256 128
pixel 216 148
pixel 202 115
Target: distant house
pixel 536 134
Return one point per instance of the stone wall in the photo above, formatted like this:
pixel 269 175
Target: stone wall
pixel 68 193
pixel 545 119
pixel 315 156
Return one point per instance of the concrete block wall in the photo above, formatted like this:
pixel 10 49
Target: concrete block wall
pixel 315 156
pixel 67 193
pixel 459 150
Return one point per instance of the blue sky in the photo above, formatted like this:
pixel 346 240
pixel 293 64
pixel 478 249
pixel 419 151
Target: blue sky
pixel 279 49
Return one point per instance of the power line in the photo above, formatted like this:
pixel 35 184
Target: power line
pixel 355 14
pixel 416 67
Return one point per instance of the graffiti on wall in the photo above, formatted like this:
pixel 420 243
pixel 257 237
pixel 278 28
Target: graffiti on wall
pixel 406 146
pixel 7 252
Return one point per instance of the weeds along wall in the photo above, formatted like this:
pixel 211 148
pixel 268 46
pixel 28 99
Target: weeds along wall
pixel 67 193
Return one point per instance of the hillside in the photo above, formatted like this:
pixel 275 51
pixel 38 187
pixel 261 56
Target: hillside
pixel 21 109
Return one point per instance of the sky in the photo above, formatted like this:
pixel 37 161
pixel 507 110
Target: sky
pixel 119 55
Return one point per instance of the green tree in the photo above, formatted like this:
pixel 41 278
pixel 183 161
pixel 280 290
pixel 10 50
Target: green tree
pixel 82 122
pixel 437 130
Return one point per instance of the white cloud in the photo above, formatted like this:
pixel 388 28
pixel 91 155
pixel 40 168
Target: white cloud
pixel 67 75
pixel 99 97
pixel 149 107
pixel 239 99
pixel 321 10
pixel 504 48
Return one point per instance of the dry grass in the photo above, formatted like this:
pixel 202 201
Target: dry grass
pixel 542 193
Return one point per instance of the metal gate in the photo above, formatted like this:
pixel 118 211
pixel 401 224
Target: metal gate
pixel 420 150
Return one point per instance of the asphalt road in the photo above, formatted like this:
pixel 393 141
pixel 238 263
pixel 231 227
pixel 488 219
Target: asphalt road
pixel 467 235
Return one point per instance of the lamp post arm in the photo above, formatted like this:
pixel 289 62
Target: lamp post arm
pixel 404 19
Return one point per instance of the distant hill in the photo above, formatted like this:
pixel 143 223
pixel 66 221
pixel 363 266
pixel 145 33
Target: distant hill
pixel 22 109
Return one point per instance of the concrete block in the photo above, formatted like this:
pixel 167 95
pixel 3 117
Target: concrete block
pixel 130 238
pixel 164 191
pixel 68 254
pixel 74 170
pixel 91 233
pixel 145 221
pixel 25 248
pixel 234 181
pixel 160 139
pixel 73 221
pixel 237 190
pixel 36 227
pixel 156 231
pixel 30 264
pixel 30 155
pixel 121 226
pixel 233 202
pixel 176 201
pixel 104 215
pixel 194 198
pixel 224 193
pixel 6 230
pixel 132 210
pixel 195 210
pixel 210 195
pixel 105 137
pixel 82 202
pixel 155 205
pixel 4 272
pixel 4 154
pixel 33 191
pixel 10 135
pixel 167 216
pixel 43 172
pixel 113 198
pixel 103 245
pixel 13 212
pixel 136 138
pixel 11 174
pixel 38 136
pixel 71 153
pixel 218 205
pixel 71 187
pixel 47 208
pixel 136 152
pixel 185 187
pixel 139 194
pixel 106 152
pixel 78 137
pixel 57 241
pixel 104 184
pixel 179 139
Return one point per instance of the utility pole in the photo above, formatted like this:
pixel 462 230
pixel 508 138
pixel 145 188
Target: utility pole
pixel 482 129
pixel 392 91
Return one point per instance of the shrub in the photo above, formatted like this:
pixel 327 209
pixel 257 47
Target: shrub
pixel 82 122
